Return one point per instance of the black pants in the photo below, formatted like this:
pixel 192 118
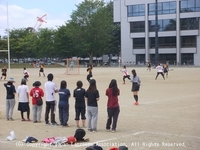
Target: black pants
pixel 88 77
pixel 50 106
pixel 124 77
pixel 113 114
pixel 64 115
pixel 161 74
pixel 80 111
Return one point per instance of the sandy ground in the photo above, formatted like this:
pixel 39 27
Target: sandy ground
pixel 167 117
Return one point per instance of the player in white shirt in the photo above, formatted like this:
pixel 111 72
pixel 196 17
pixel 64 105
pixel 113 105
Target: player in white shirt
pixel 50 90
pixel 23 95
pixel 26 74
pixel 126 74
pixel 159 71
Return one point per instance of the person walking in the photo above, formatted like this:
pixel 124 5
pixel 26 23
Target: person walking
pixel 63 106
pixel 135 85
pixel 80 108
pixel 92 96
pixel 159 71
pixel 50 91
pixel 126 74
pixel 112 105
pixel 36 93
pixel 23 95
pixel 10 98
pixel 89 70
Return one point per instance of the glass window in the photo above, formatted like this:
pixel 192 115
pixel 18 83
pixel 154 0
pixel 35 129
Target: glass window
pixel 163 8
pixel 138 43
pixel 189 5
pixel 136 10
pixel 163 25
pixel 188 41
pixel 189 24
pixel 163 42
pixel 137 26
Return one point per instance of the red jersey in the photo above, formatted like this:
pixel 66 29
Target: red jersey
pixel 112 99
pixel 36 93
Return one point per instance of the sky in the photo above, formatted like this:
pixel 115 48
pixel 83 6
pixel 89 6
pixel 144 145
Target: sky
pixel 24 13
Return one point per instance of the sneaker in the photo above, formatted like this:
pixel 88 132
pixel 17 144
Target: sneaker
pixel 11 119
pixel 55 124
pixel 90 130
pixel 47 124
pixel 39 121
pixel 113 130
pixel 108 130
pixel 7 119
pixel 23 119
pixel 34 121
pixel 28 119
pixel 136 103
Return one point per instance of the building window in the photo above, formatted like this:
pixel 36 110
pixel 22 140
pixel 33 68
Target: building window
pixel 136 10
pixel 138 43
pixel 189 24
pixel 163 42
pixel 189 6
pixel 163 25
pixel 187 59
pixel 138 26
pixel 188 41
pixel 163 8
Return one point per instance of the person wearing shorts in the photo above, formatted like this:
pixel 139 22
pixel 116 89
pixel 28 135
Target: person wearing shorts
pixel 135 85
pixel 165 69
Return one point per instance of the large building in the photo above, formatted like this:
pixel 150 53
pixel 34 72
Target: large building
pixel 178 30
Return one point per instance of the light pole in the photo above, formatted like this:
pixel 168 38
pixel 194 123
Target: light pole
pixel 156 33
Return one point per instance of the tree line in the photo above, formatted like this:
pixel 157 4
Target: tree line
pixel 90 32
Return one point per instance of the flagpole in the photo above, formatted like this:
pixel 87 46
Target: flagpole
pixel 8 38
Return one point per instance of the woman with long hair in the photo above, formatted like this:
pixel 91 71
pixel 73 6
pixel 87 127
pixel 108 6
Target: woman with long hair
pixel 135 85
pixel 112 105
pixel 92 96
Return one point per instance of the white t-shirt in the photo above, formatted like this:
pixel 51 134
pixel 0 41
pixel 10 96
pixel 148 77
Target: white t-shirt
pixel 125 72
pixel 159 68
pixel 50 88
pixel 26 72
pixel 22 92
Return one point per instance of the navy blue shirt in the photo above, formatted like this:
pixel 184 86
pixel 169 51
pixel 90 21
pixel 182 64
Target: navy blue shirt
pixel 10 90
pixel 79 95
pixel 64 95
pixel 92 98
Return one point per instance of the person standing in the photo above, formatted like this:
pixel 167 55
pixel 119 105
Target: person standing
pixel 26 74
pixel 36 93
pixel 23 95
pixel 50 90
pixel 112 105
pixel 10 98
pixel 80 108
pixel 4 73
pixel 126 74
pixel 92 96
pixel 135 85
pixel 41 70
pixel 149 65
pixel 89 70
pixel 63 106
pixel 165 69
pixel 159 71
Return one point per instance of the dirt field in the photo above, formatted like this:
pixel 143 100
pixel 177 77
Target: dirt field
pixel 167 117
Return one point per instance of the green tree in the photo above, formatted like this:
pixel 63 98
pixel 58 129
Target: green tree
pixel 90 27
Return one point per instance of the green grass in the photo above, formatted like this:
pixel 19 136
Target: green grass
pixel 27 65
